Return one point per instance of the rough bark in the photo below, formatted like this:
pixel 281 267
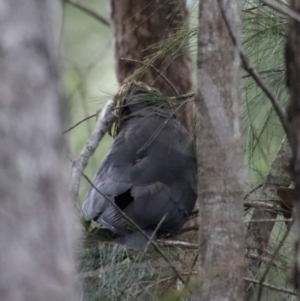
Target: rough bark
pixel 140 24
pixel 258 234
pixel 36 237
pixel 220 197
pixel 293 79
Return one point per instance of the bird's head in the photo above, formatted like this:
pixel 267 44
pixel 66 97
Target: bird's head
pixel 132 97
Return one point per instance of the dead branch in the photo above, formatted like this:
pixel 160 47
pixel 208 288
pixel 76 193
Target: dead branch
pixel 189 229
pixel 252 191
pixel 182 97
pixel 266 72
pixel 271 287
pixel 263 204
pixel 89 12
pixel 79 122
pixel 103 124
pixel 154 232
pixel 179 244
pixel 283 10
pixel 269 264
pixel 273 220
pixel 253 255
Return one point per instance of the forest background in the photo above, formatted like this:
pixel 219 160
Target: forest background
pixel 84 35
pixel 90 80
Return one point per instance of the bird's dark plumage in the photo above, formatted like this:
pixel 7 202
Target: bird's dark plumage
pixel 149 172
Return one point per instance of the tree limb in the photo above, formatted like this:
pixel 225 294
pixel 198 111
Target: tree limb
pixel 283 10
pixel 271 287
pixel 155 69
pixel 179 244
pixel 79 122
pixel 89 11
pixel 103 124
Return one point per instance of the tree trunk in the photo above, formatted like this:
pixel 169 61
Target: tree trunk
pixel 293 79
pixel 36 237
pixel 221 234
pixel 140 24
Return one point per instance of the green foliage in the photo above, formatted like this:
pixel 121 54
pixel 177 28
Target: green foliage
pixel 263 38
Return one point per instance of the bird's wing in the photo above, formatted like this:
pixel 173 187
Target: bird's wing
pixel 149 159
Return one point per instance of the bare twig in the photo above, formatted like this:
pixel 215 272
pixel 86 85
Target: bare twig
pixel 189 229
pixel 252 254
pixel 187 285
pixel 131 222
pixel 271 287
pixel 89 11
pixel 155 69
pixel 268 220
pixel 179 244
pixel 182 97
pixel 283 10
pixel 271 260
pixel 79 122
pixel 254 73
pixel 266 72
pixel 252 191
pixel 263 204
pixel 103 124
pixel 154 232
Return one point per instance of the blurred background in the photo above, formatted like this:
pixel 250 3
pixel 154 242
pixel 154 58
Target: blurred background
pixel 88 75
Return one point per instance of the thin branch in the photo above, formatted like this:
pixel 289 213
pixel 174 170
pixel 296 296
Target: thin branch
pixel 254 73
pixel 155 69
pixel 268 220
pixel 189 229
pixel 263 204
pixel 255 256
pixel 79 122
pixel 182 97
pixel 103 124
pixel 283 10
pixel 271 287
pixel 252 8
pixel 179 244
pixel 131 222
pixel 252 191
pixel 271 260
pixel 154 232
pixel 266 72
pixel 186 288
pixel 89 12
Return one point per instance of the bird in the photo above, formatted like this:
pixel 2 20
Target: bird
pixel 149 173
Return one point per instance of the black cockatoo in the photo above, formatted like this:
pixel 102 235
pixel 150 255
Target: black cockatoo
pixel 149 172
